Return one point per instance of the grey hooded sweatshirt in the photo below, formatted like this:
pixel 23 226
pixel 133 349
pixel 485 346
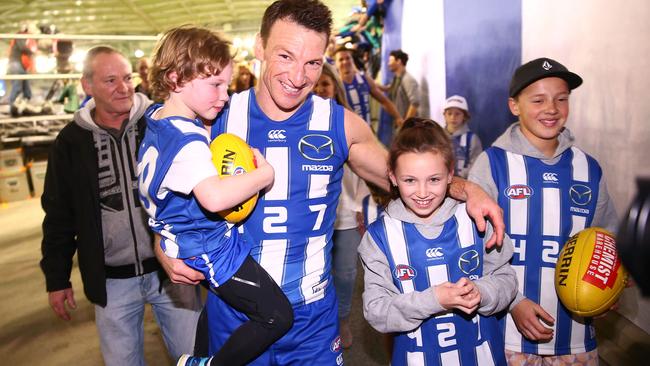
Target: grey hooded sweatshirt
pixel 389 310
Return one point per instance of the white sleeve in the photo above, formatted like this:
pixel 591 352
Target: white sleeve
pixel 191 165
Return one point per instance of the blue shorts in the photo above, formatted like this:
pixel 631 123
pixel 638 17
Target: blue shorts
pixel 313 339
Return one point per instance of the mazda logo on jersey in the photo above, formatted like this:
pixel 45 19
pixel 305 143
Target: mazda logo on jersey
pixel 518 192
pixel 404 272
pixel 468 261
pixel 316 147
pixel 580 194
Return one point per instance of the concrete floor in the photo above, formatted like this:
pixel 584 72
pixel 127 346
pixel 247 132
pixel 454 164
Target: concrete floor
pixel 31 334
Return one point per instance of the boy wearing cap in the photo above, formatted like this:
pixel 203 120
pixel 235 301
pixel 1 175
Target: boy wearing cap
pixel 467 145
pixel 549 190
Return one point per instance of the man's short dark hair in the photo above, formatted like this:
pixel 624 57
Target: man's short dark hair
pixel 400 55
pixel 311 14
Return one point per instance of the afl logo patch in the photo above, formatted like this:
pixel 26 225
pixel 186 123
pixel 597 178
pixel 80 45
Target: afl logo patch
pixel 238 171
pixel 518 192
pixel 404 272
pixel 580 194
pixel 336 345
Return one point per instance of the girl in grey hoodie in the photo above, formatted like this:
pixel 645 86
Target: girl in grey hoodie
pixel 428 276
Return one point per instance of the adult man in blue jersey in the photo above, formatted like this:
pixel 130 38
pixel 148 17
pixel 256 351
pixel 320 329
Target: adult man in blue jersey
pixel 359 87
pixel 307 140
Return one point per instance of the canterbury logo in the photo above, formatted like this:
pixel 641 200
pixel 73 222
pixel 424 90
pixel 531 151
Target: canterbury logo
pixel 434 253
pixel 277 135
pixel 546 65
pixel 550 177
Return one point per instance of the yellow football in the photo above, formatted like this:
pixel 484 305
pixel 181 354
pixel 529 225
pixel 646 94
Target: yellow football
pixel 232 156
pixel 589 276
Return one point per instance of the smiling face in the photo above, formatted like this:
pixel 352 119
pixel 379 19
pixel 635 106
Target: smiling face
pixel 204 96
pixel 111 84
pixel 325 88
pixel 292 60
pixel 542 108
pixel 421 179
pixel 344 63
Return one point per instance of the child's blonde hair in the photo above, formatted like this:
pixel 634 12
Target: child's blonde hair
pixel 190 52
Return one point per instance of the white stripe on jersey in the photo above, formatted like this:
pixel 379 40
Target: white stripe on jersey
pixel 465 227
pixel 450 358
pixel 272 258
pixel 517 175
pixel 238 113
pixel 484 355
pixel 398 249
pixel 551 211
pixel 580 165
pixel 278 157
pixel 415 359
pixel 548 301
pixel 513 337
pixel 186 126
pixel 320 117
pixel 463 140
pixel 318 185
pixel 437 274
pixel 577 224
pixel 314 268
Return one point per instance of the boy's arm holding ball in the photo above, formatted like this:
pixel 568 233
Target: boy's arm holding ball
pixel 217 194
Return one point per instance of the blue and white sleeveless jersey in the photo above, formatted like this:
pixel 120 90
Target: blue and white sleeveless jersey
pixel 371 210
pixel 185 229
pixel 418 263
pixel 462 144
pixel 292 223
pixel 543 206
pixel 358 94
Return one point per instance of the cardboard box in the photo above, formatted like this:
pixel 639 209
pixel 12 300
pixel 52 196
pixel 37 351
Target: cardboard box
pixel 14 185
pixel 11 159
pixel 37 171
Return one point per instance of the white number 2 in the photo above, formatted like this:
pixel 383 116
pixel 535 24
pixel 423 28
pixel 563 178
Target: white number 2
pixel 276 222
pixel 446 335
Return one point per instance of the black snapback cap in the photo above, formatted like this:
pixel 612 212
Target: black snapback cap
pixel 541 68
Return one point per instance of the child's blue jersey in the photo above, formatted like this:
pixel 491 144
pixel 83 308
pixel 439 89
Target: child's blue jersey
pixel 371 210
pixel 187 230
pixel 544 205
pixel 358 95
pixel 462 144
pixel 292 223
pixel 418 263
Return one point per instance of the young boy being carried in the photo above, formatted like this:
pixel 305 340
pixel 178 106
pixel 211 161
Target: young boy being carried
pixel 181 190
